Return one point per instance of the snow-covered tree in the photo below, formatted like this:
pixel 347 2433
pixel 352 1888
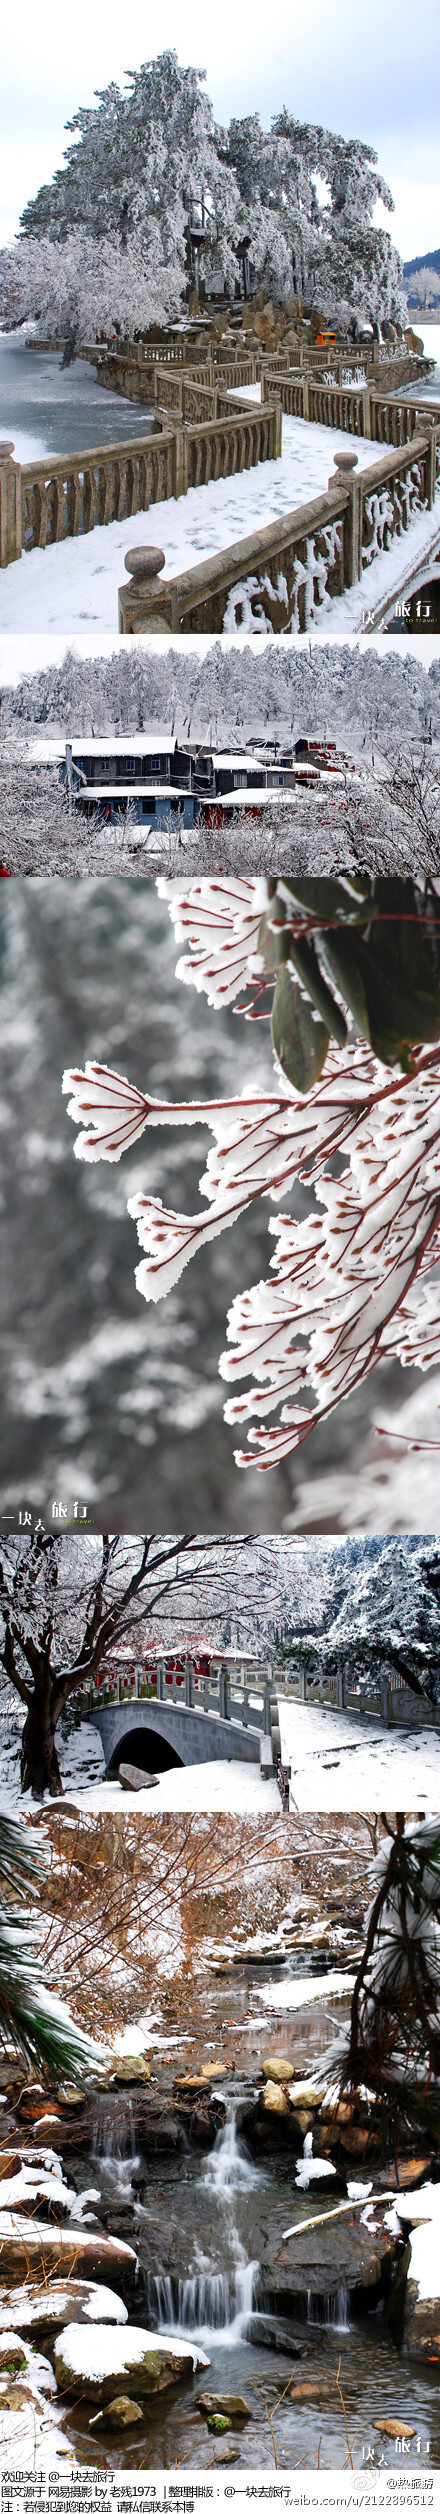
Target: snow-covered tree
pixel 349 973
pixel 65 1602
pixel 425 285
pixel 388 1621
pixel 83 285
pixel 148 171
pixel 394 2042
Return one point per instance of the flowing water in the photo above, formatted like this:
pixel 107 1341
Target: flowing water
pixel 50 409
pixel 201 2227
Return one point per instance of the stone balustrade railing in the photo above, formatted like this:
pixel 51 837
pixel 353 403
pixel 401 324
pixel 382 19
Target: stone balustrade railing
pixel 47 501
pixel 358 410
pixel 164 381
pixel 228 1696
pixel 281 580
pixel 384 1697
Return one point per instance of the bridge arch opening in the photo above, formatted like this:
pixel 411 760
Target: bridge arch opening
pixel 145 1747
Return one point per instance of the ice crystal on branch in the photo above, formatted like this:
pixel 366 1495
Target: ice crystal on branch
pixel 345 1288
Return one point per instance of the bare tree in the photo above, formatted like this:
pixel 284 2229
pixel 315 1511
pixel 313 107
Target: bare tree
pixel 60 1619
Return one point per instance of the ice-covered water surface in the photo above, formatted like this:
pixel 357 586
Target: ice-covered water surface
pixel 50 409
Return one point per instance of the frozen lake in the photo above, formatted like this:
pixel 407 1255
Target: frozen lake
pixel 48 409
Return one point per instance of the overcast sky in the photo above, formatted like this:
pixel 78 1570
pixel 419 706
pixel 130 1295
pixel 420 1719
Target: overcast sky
pixel 370 73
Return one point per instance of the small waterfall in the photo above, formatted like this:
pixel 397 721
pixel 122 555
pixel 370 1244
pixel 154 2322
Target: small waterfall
pixel 214 2301
pixel 115 2144
pixel 332 2311
pixel 209 2303
pixel 228 2169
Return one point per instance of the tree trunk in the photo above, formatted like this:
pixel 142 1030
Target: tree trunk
pixel 39 1766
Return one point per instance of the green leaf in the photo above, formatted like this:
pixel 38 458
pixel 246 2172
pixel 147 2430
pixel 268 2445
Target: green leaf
pixel 305 962
pixel 391 986
pixel 300 1039
pixel 328 899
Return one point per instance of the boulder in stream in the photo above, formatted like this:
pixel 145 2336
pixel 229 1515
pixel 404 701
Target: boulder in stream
pixel 41 2310
pixel 130 2066
pixel 91 2363
pixel 29 2248
pixel 224 2405
pixel 121 2412
pixel 275 2099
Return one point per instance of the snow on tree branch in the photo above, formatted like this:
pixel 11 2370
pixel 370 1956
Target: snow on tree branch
pixel 346 1285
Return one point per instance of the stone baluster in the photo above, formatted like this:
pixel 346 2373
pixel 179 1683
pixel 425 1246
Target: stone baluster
pixel 342 478
pixel 366 410
pixel 136 600
pixel 10 505
pixel 431 463
pixel 180 462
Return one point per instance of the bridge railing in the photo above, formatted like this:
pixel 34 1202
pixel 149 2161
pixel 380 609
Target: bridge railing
pixel 385 1697
pixel 221 1692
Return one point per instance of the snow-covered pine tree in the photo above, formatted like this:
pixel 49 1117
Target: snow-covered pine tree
pixel 394 2039
pixel 31 2017
pixel 388 1621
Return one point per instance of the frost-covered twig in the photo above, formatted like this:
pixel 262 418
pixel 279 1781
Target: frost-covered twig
pixel 347 1284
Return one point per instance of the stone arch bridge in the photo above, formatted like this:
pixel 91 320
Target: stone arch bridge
pixel 211 1718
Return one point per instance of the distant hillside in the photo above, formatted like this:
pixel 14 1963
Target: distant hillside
pixel 422 262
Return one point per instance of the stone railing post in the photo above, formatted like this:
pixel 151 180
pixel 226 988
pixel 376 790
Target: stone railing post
pixel 136 600
pixel 385 1700
pixel 180 463
pixel 10 505
pixel 277 430
pixel 343 478
pixel 222 1693
pixel 267 1702
pixel 366 410
pixel 430 463
pixel 308 381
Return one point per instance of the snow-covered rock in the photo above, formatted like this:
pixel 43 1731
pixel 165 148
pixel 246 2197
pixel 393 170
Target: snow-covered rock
pixel 419 2216
pixel 30 2247
pixel 42 2310
pixel 96 2361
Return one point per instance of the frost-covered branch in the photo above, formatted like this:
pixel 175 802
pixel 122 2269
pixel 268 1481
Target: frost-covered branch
pixel 347 1285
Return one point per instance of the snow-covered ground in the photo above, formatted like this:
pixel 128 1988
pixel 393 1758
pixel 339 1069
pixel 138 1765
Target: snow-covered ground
pixel 230 1788
pixel 289 1995
pixel 76 581
pixel 342 1759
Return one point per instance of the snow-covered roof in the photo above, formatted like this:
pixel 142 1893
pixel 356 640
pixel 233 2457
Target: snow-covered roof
pixel 248 794
pixel 118 745
pixel 166 794
pixel 232 759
